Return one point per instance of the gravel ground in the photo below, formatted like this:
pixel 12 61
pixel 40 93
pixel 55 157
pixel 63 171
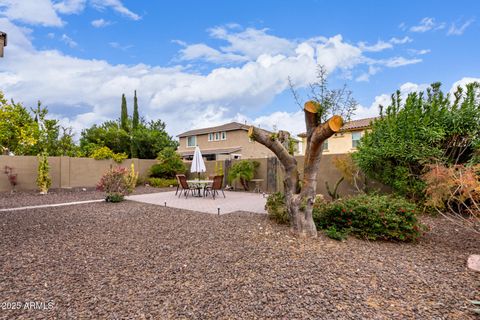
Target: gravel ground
pixel 31 198
pixel 133 260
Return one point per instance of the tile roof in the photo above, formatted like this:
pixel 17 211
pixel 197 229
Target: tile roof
pixel 351 125
pixel 212 151
pixel 232 126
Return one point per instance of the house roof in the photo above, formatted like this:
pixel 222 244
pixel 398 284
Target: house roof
pixel 351 125
pixel 232 126
pixel 212 151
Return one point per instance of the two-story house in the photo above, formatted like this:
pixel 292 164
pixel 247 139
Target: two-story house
pixel 228 141
pixel 347 139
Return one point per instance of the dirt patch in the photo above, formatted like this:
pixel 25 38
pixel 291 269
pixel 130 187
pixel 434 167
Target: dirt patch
pixel 132 260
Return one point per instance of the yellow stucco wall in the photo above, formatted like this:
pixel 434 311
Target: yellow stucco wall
pixel 339 143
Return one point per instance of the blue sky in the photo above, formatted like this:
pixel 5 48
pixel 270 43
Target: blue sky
pixel 202 63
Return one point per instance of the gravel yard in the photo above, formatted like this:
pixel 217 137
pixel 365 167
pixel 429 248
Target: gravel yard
pixel 33 197
pixel 133 260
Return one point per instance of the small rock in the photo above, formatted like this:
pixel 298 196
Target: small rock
pixel 474 262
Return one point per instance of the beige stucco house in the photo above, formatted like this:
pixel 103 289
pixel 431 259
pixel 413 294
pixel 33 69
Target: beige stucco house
pixel 228 141
pixel 347 139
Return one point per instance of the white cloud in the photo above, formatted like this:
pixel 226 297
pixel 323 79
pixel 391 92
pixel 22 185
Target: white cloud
pixel 89 91
pixel 100 23
pixel 419 52
pixel 117 6
pixel 70 6
pixel 427 24
pixel 458 31
pixel 68 41
pixel 252 42
pixel 462 83
pixel 400 40
pixel 204 52
pixel 39 12
pixel 379 46
pixel 396 62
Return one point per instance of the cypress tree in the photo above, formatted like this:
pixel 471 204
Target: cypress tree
pixel 135 120
pixel 124 114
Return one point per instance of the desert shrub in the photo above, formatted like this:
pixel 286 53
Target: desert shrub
pixel 116 183
pixel 102 153
pixel 276 208
pixel 43 178
pixel 454 192
pixel 243 171
pixel 335 234
pixel 370 217
pixel 169 164
pixel 424 128
pixel 162 183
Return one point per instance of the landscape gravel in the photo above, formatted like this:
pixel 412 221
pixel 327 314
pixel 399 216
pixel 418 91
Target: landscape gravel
pixel 138 261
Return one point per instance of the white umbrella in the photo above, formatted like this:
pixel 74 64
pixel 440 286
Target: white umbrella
pixel 197 163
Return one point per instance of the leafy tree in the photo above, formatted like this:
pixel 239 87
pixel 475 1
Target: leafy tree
pixel 135 119
pixel 169 164
pixel 24 134
pixel 124 114
pixel 243 171
pixel 425 128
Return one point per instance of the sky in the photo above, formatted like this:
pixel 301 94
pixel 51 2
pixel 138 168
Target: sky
pixel 196 64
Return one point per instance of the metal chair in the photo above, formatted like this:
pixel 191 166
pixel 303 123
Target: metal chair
pixel 215 186
pixel 182 179
pixel 178 181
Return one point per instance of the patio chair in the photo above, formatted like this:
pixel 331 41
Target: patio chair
pixel 215 186
pixel 182 179
pixel 178 181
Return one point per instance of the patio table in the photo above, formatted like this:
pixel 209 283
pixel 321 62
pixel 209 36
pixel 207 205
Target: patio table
pixel 198 185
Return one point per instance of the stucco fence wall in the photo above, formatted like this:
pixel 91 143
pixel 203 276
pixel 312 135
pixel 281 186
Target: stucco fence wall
pixel 67 172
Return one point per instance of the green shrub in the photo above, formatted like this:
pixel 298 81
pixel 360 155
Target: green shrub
pixel 162 183
pixel 335 234
pixel 276 208
pixel 169 164
pixel 424 128
pixel 103 153
pixel 243 171
pixel 370 217
pixel 115 197
pixel 116 183
pixel 43 178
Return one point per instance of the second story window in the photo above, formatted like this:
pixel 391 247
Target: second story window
pixel 217 136
pixel 191 141
pixel 210 137
pixel 356 139
pixel 224 135
pixel 325 145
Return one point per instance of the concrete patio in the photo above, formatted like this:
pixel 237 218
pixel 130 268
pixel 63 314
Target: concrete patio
pixel 234 201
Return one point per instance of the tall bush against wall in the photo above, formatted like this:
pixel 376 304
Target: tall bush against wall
pixel 43 177
pixel 430 127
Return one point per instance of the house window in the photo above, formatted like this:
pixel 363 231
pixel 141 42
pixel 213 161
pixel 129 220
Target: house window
pixel 191 141
pixel 217 136
pixel 325 145
pixel 210 137
pixel 356 139
pixel 224 135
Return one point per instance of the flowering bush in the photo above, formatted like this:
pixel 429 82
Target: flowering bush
pixel 116 183
pixel 370 217
pixel 454 192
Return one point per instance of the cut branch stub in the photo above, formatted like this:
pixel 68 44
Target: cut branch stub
pixel 335 123
pixel 312 106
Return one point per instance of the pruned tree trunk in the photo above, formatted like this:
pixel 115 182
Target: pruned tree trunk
pixel 300 199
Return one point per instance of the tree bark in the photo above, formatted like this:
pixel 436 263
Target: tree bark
pixel 300 200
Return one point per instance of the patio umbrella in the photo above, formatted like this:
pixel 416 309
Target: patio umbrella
pixel 197 163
